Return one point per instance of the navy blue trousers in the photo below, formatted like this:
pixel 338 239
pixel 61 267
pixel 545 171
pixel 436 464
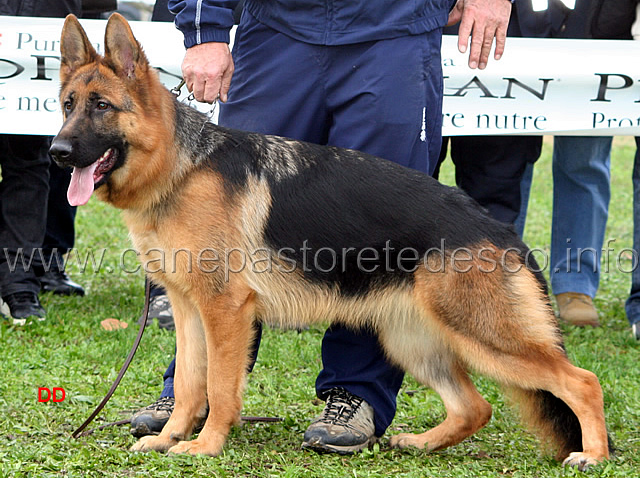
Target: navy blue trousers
pixel 383 98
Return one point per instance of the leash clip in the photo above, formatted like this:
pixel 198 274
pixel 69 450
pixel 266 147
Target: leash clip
pixel 176 89
pixel 176 92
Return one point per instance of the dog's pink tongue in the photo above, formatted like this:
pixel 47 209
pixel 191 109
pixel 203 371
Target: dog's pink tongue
pixel 81 185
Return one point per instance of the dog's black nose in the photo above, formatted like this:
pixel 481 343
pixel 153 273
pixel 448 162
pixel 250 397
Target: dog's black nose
pixel 60 149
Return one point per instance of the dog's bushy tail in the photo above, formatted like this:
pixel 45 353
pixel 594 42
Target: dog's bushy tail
pixel 551 419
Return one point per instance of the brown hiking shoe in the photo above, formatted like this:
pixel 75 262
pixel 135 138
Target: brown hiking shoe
pixel 577 309
pixel 345 426
pixel 151 419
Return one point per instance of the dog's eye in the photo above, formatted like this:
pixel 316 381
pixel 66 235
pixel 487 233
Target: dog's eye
pixel 103 105
pixel 67 106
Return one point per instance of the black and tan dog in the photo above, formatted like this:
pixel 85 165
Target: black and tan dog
pixel 251 227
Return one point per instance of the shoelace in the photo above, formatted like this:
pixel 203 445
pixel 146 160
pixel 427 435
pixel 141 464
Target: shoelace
pixel 164 404
pixel 341 407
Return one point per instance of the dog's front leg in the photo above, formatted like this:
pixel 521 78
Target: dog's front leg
pixel 189 381
pixel 227 321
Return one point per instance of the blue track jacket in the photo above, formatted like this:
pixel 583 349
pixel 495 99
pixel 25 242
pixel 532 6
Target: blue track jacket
pixel 319 22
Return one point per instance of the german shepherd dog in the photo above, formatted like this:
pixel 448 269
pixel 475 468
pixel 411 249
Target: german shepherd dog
pixel 317 234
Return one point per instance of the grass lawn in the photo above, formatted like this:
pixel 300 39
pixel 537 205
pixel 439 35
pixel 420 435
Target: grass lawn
pixel 72 351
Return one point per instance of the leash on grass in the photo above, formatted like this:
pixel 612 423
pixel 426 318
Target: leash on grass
pixel 145 313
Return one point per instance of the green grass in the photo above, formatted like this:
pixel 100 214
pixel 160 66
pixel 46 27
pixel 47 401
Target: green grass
pixel 72 351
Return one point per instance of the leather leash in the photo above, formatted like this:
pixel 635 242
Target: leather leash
pixel 145 313
pixel 125 366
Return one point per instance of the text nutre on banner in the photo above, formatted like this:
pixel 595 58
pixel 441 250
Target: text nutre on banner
pixel 540 86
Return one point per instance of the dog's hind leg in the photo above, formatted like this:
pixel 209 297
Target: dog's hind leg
pixel 563 404
pixel 189 381
pixel 501 325
pixel 467 411
pixel 228 326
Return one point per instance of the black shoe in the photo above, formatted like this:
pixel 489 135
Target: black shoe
pixel 59 283
pixel 345 426
pixel 23 306
pixel 151 420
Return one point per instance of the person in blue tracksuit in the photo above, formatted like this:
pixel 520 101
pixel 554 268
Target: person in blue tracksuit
pixel 361 74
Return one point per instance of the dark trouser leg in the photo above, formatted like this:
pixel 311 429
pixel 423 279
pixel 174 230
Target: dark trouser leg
pixel 23 209
pixel 490 168
pixel 383 98
pixel 60 232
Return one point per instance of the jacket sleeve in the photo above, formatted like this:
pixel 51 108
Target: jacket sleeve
pixel 614 20
pixel 202 21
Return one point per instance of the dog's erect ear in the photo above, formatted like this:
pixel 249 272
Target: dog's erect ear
pixel 75 48
pixel 122 50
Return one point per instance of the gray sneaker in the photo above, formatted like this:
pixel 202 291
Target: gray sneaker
pixel 160 309
pixel 345 425
pixel 635 330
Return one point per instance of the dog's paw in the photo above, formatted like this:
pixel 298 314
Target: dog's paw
pixel 581 460
pixel 155 443
pixel 405 440
pixel 197 447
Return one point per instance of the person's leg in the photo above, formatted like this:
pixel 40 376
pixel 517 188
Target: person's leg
pixel 632 305
pixel 370 120
pixel 60 233
pixel 490 169
pixel 396 117
pixel 23 204
pixel 256 89
pixel 525 192
pixel 59 236
pixel 581 193
pixel 161 12
pixel 443 156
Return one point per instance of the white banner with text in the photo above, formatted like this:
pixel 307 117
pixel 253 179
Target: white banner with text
pixel 540 86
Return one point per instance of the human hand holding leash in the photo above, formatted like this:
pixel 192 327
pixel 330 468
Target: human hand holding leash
pixel 207 69
pixel 483 20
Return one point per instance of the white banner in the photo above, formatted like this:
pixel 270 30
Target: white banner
pixel 545 86
pixel 575 87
